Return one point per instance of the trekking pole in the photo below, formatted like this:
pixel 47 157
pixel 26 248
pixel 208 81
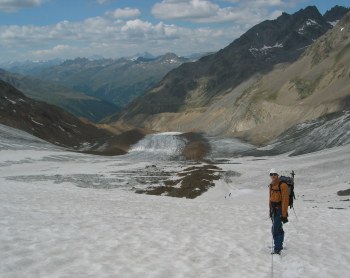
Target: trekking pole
pixel 272 247
pixel 295 215
pixel 293 176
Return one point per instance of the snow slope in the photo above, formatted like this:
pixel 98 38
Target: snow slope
pixel 51 226
pixel 11 138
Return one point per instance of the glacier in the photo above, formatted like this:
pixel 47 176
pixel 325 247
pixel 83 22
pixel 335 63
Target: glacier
pixel 66 214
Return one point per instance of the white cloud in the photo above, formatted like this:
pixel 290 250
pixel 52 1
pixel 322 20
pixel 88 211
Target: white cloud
pixel 192 9
pixel 118 33
pixel 56 50
pixel 137 25
pixel 124 13
pixel 259 2
pixel 15 5
pixel 108 37
pixel 267 3
pixel 205 11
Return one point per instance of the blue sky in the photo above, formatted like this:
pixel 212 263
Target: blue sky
pixel 45 29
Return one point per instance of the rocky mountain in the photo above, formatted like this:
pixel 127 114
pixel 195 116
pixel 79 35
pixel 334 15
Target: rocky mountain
pixel 58 127
pixel 310 93
pixel 75 102
pixel 314 86
pixel 335 14
pixel 302 106
pixel 116 81
pixel 194 86
pixel 264 104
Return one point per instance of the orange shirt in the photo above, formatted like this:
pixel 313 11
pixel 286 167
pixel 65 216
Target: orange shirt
pixel 282 196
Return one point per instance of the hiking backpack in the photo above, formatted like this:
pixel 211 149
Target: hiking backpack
pixel 290 182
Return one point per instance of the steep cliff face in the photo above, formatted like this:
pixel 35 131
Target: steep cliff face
pixel 265 105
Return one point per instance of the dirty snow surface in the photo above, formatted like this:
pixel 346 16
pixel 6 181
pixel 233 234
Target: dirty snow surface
pixel 64 214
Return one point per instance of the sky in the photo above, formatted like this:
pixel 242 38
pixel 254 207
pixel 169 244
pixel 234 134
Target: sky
pixel 47 29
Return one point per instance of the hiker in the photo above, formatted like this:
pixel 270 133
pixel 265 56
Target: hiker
pixel 278 202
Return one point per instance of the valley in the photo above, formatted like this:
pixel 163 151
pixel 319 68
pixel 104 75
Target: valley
pixel 159 166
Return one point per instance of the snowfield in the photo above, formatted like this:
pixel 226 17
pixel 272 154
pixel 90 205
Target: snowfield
pixel 66 214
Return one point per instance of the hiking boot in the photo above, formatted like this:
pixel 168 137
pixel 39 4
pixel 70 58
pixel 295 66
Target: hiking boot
pixel 276 252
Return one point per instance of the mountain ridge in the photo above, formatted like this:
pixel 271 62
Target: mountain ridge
pixel 117 81
pixel 195 85
pixel 288 94
pixel 261 109
pixel 58 127
pixel 45 121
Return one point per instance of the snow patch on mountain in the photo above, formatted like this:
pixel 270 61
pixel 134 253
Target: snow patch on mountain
pixel 265 48
pixel 34 121
pixel 333 23
pixel 10 100
pixel 309 22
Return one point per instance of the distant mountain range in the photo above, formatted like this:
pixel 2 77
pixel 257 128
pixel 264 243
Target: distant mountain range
pixel 75 102
pixel 116 81
pixel 93 88
pixel 29 67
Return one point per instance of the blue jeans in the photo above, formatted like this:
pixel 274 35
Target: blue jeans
pixel 277 229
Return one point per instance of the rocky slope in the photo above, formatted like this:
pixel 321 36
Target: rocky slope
pixel 263 93
pixel 316 85
pixel 327 131
pixel 116 81
pixel 58 127
pixel 77 103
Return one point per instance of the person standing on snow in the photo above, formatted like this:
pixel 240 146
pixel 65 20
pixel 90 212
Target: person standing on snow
pixel 278 202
